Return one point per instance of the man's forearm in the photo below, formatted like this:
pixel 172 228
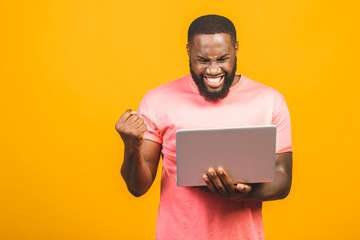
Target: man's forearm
pixel 280 187
pixel 136 172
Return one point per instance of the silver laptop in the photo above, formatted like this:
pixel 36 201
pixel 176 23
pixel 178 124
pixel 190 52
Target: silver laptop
pixel 246 153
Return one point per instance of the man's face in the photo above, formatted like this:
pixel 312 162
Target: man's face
pixel 213 64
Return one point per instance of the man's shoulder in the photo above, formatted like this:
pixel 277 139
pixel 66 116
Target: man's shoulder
pixel 249 83
pixel 259 88
pixel 170 88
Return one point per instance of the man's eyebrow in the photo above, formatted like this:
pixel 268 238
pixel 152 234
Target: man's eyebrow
pixel 202 58
pixel 223 56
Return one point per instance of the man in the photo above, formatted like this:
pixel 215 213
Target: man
pixel 212 96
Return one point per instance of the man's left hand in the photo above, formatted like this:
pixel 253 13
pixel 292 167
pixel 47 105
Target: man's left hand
pixel 220 183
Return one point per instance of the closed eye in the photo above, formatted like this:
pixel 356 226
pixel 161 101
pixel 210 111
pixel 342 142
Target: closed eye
pixel 203 60
pixel 222 59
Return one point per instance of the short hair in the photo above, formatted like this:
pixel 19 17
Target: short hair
pixel 211 24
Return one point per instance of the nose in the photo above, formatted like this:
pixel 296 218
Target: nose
pixel 213 69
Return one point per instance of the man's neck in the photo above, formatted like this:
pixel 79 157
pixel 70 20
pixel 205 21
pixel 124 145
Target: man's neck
pixel 236 80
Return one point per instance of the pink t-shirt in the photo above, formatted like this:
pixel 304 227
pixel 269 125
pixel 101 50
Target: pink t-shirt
pixel 190 213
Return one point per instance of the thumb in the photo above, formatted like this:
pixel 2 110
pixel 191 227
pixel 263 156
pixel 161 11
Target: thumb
pixel 243 188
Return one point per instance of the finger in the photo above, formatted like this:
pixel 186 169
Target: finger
pixel 125 116
pixel 226 180
pixel 137 123
pixel 143 127
pixel 217 182
pixel 138 128
pixel 208 183
pixel 131 120
pixel 126 122
pixel 244 188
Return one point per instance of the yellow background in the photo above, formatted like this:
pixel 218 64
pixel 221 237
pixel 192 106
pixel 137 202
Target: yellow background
pixel 69 69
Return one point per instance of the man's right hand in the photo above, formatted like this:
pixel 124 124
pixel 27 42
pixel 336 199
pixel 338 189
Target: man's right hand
pixel 141 157
pixel 131 129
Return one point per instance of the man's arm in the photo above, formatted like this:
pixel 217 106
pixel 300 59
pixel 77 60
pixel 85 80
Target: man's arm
pixel 141 157
pixel 220 183
pixel 280 187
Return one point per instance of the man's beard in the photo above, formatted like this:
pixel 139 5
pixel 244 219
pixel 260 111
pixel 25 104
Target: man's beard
pixel 214 96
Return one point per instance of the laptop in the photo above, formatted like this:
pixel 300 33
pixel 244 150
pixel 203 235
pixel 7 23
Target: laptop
pixel 246 153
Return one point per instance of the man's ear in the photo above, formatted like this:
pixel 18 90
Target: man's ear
pixel 188 49
pixel 236 48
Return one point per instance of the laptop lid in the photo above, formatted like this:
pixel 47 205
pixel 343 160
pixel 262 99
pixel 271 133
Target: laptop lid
pixel 246 153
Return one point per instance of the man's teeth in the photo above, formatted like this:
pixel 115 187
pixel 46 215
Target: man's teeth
pixel 214 80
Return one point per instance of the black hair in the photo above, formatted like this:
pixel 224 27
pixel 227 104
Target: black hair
pixel 211 24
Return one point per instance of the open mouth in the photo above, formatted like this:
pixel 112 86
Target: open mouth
pixel 214 82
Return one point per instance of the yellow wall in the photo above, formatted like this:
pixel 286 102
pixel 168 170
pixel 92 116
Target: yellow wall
pixel 69 69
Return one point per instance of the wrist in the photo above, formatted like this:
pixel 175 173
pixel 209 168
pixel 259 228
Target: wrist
pixel 132 148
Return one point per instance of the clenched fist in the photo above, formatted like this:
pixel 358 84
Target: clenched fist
pixel 131 129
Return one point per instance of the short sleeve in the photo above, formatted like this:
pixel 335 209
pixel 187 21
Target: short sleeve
pixel 152 131
pixel 281 119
